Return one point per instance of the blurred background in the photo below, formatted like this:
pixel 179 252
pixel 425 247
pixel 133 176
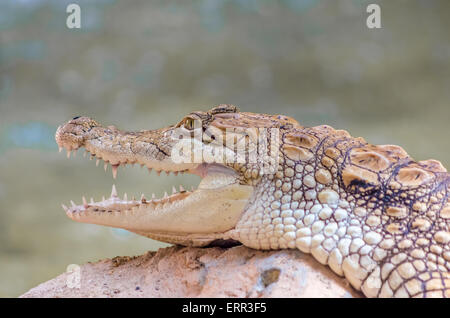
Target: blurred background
pixel 145 64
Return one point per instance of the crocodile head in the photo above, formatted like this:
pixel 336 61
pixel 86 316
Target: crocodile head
pixel 229 150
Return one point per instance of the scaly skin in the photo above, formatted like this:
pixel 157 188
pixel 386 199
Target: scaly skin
pixel 371 213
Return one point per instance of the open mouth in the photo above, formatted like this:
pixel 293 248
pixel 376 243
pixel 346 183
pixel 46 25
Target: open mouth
pixel 214 176
pixel 214 206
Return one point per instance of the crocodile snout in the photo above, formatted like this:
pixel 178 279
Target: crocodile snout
pixel 72 134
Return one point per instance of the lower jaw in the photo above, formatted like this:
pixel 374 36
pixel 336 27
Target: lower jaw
pixel 212 179
pixel 214 207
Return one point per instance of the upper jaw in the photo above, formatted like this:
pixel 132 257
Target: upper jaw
pixel 152 149
pixel 117 148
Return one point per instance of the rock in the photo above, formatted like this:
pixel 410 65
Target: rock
pixel 200 272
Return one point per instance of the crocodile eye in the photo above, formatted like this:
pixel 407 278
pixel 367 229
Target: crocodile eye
pixel 189 123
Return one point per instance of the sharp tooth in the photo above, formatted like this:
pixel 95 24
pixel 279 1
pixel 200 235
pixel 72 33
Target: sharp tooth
pixel 149 170
pixel 85 203
pixel 165 194
pixel 174 190
pixel 69 152
pixel 91 157
pixel 153 196
pixel 103 198
pixel 84 154
pixel 114 170
pixel 97 162
pixel 167 172
pixel 159 173
pixel 105 165
pixel 92 201
pixel 192 188
pixel 60 149
pixel 113 192
pixel 73 204
pixel 125 197
pixel 133 198
pixel 181 188
pixel 142 165
pixel 64 207
pixel 176 173
pixel 143 200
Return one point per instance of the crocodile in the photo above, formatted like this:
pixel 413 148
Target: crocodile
pixel 369 212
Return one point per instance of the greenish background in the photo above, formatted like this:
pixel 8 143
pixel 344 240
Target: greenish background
pixel 144 64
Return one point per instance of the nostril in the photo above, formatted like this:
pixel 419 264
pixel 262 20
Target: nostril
pixel 76 117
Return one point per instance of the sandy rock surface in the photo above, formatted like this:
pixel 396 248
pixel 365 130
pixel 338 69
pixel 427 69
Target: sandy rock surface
pixel 200 272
